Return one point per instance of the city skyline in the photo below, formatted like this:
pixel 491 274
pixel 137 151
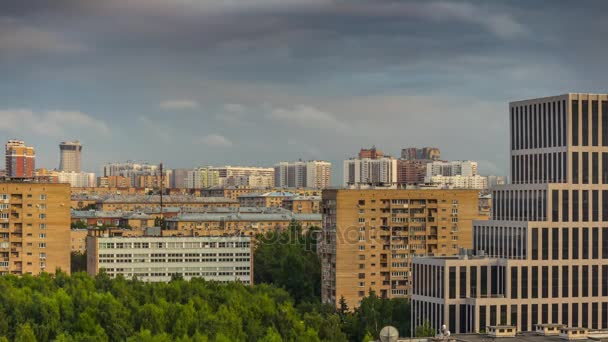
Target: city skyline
pixel 274 87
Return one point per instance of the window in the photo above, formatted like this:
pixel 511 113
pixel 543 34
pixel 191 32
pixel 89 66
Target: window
pixel 575 167
pixel 42 216
pixel 555 281
pixel 534 282
pixel 42 245
pixel 575 209
pixel 42 235
pixel 555 244
pixel 452 282
pixel 574 281
pixel 585 119
pixel 585 249
pixel 595 243
pixel 565 206
pixel 574 243
pixel 565 282
pixel 574 122
pixel 545 244
pixel 594 123
pixel 524 282
pixel 534 244
pixel 42 197
pixel 554 205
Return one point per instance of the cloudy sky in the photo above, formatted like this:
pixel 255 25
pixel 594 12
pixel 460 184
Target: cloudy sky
pixel 197 82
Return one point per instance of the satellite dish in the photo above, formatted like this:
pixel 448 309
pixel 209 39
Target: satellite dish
pixel 389 334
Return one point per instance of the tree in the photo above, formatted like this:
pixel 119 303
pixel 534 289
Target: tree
pixel 343 306
pixel 425 330
pixel 78 262
pixel 78 225
pixel 25 333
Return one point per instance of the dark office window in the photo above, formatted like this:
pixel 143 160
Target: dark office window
pixel 565 281
pixel 604 124
pixel 503 315
pixel 563 115
pixel 512 128
pixel 605 206
pixel 595 168
pixel 595 126
pixel 585 315
pixel 473 270
pixel 555 313
pixel 595 243
pixel 565 244
pixel 575 167
pixel 575 314
pixel 463 282
pixel 605 165
pixel 594 280
pixel 492 314
pixel 452 281
pixel 594 316
pixel 604 316
pixel 574 243
pixel 575 209
pixel 534 315
pixel 585 281
pixel 574 122
pixel 484 280
pixel 545 282
pixel 585 167
pixel 524 282
pixel 534 244
pixel 482 317
pixel 555 244
pixel 545 244
pixel 595 210
pixel 585 205
pixel 493 279
pixel 565 313
pixel 554 281
pixel 524 317
pixel 565 206
pixel 544 309
pixel 585 119
pixel 605 280
pixel 574 281
pixel 514 284
pixel 534 274
pixel 513 315
pixel 452 313
pixel 564 167
pixel 463 314
pixel 555 205
pixel 585 248
pixel 604 243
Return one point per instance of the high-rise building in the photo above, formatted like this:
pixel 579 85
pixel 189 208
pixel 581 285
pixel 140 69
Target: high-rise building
pixel 425 153
pixel 69 156
pixel 411 172
pixel 451 168
pixel 543 257
pixel 380 171
pixel 371 153
pixel 302 174
pixel 34 227
pixel 76 179
pixel 179 178
pixel 130 170
pixel 369 236
pixel 20 159
pixel 203 177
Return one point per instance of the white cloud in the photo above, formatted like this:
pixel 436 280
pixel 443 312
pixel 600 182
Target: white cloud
pixel 214 140
pixel 306 116
pixel 17 39
pixel 179 104
pixel 51 123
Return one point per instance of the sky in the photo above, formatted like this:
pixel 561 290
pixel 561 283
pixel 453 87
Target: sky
pixel 254 82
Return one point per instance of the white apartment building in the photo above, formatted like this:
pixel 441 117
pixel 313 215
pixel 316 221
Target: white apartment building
pixel 460 182
pixel 314 174
pixel 465 168
pixel 543 257
pixel 202 178
pixel 370 172
pixel 155 259
pixel 76 179
pixel 240 175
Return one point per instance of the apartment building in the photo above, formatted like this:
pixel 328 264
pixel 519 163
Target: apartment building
pixel 242 221
pixel 543 257
pixel 157 259
pixel 302 174
pixel 369 236
pixel 380 171
pixel 272 199
pixel 20 159
pixel 425 153
pixel 411 171
pixel 34 227
pixel 136 202
pixel 201 178
pixel 78 238
pixel 303 204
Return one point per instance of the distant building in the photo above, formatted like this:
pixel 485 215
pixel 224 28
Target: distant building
pixel 20 159
pixel 34 227
pixel 136 202
pixel 370 153
pixel 76 179
pixel 451 168
pixel 130 170
pixel 113 182
pixel 302 174
pixel 496 180
pixel 267 199
pixel 425 153
pixel 459 182
pixel 202 178
pixel 69 156
pixel 379 171
pixel 157 259
pixel 411 172
pixel 179 179
pixel 303 204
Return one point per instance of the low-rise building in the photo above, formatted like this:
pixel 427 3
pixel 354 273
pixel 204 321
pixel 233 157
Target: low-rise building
pixel 303 204
pixel 136 202
pixel 157 259
pixel 272 199
pixel 78 238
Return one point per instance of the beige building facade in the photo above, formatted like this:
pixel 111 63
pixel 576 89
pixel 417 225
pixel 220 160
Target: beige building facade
pixel 369 236
pixel 34 227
